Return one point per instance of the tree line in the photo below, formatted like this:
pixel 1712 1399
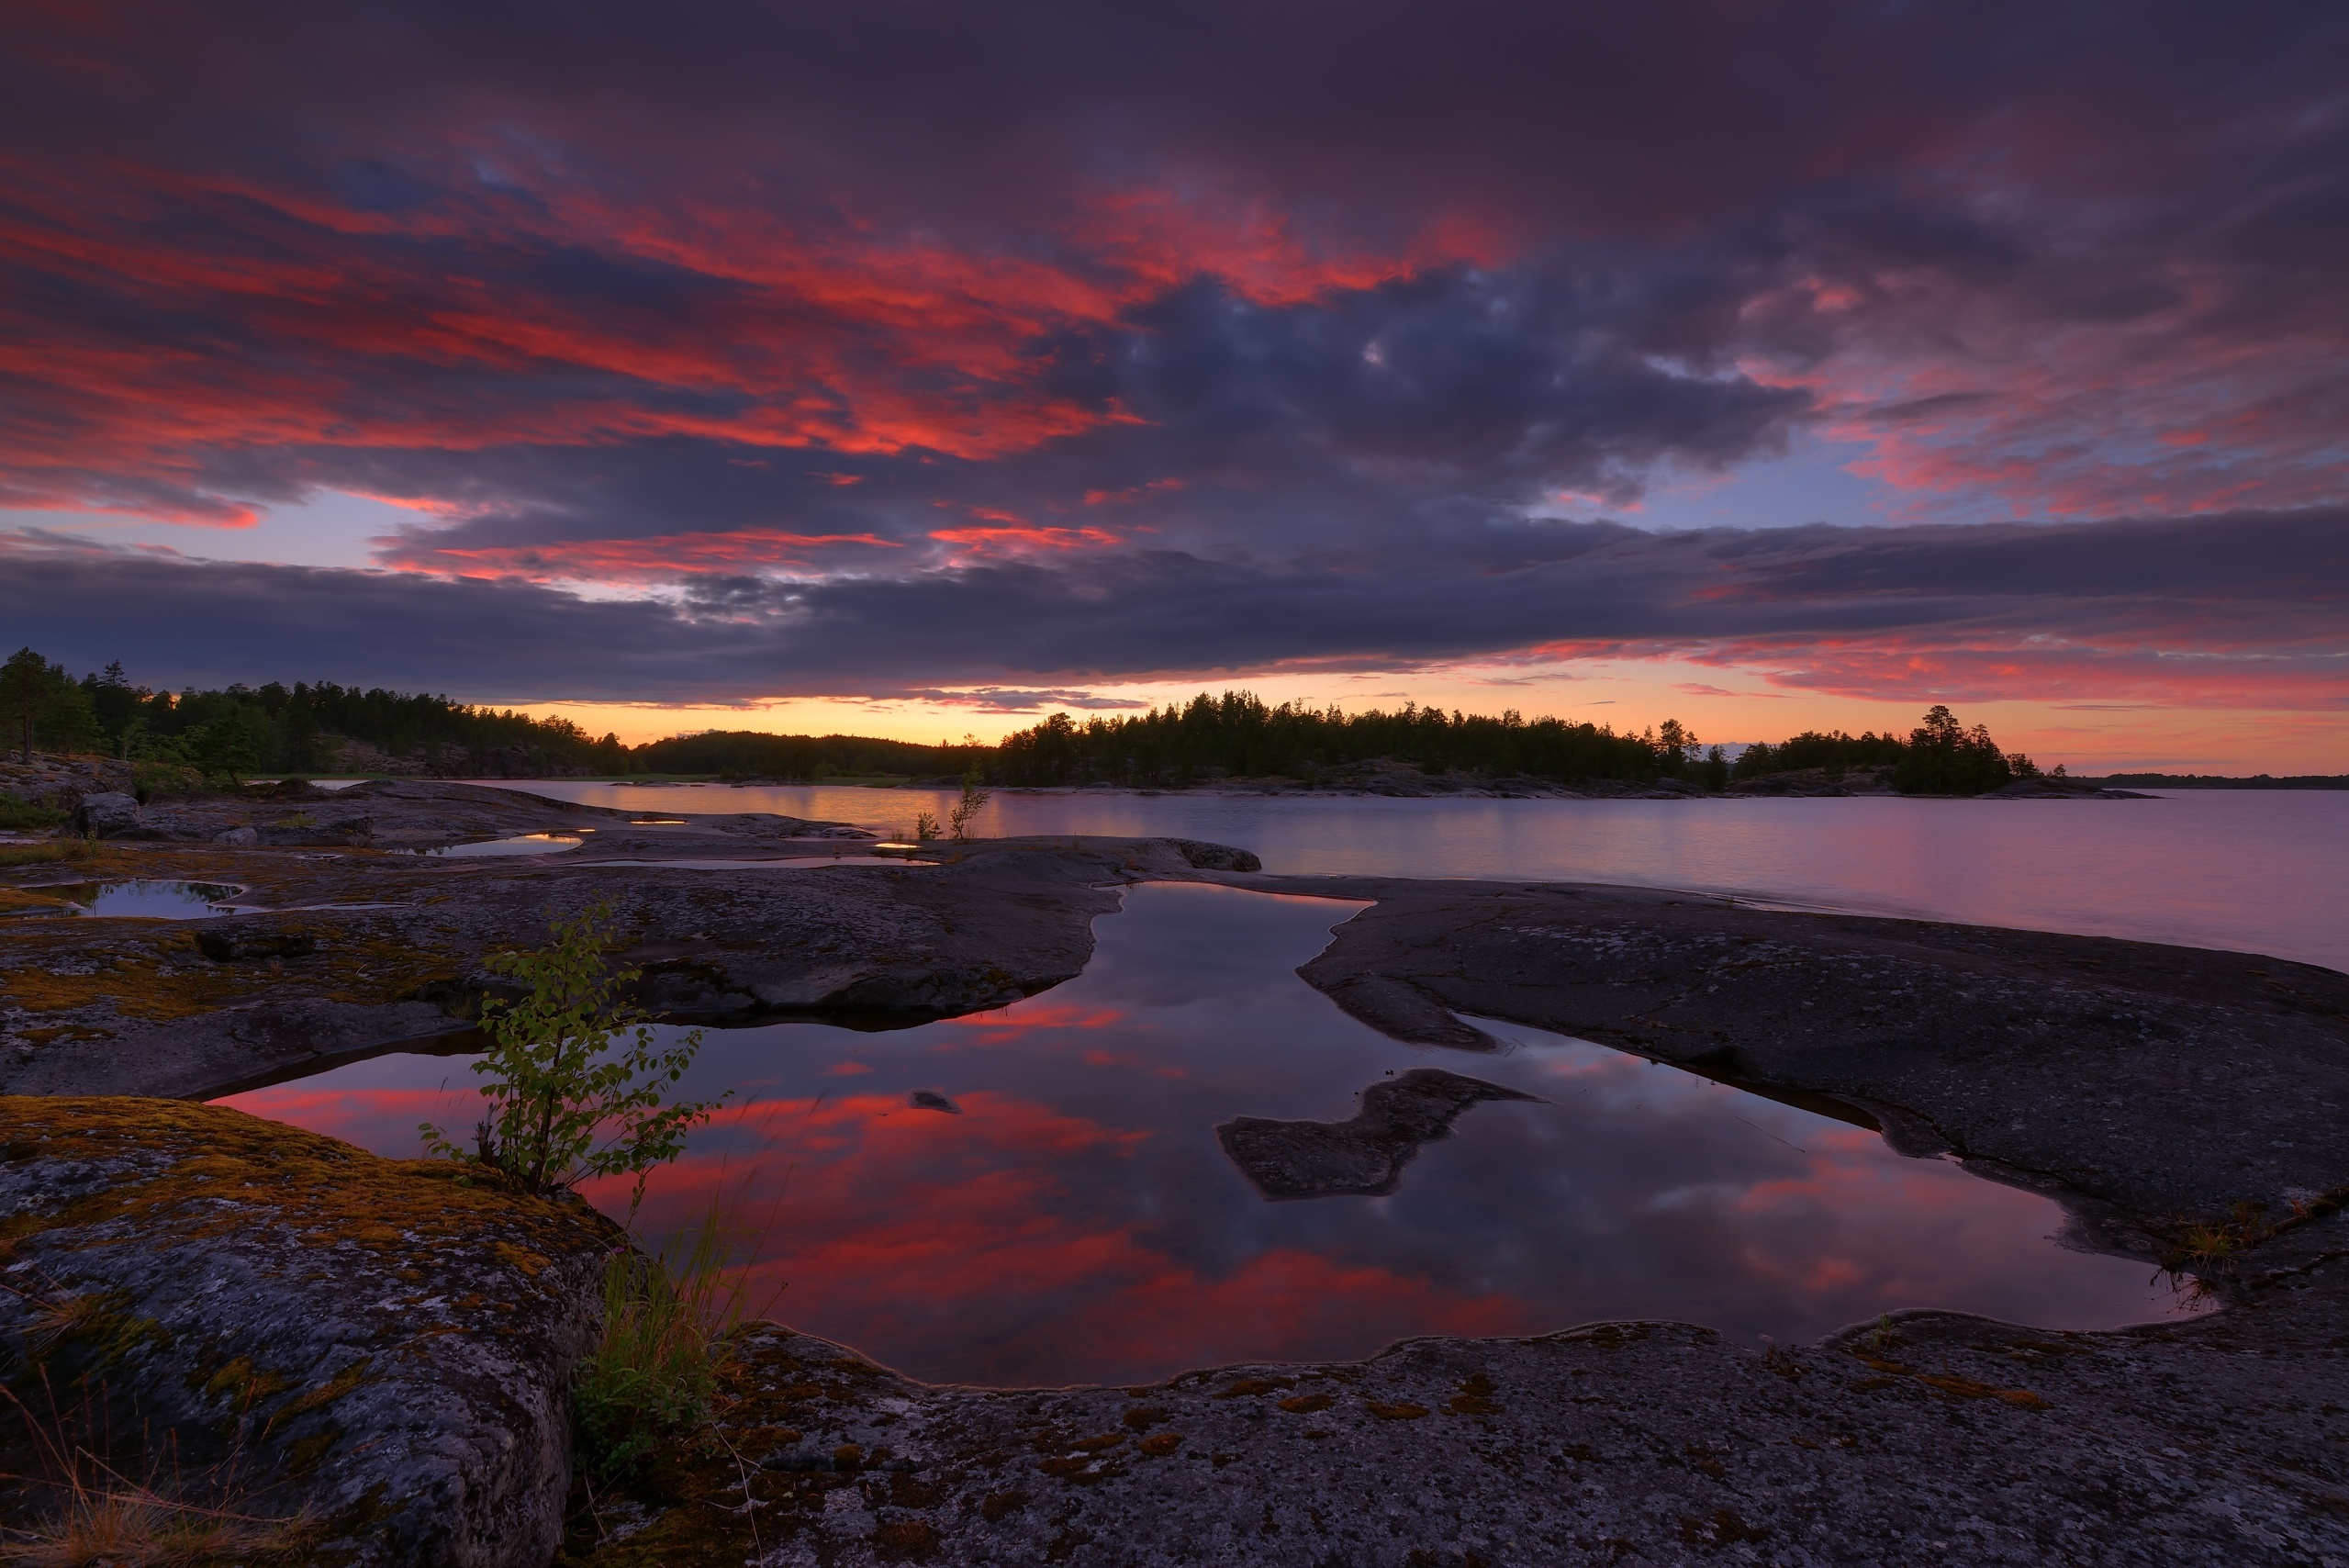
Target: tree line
pixel 1939 757
pixel 244 732
pixel 238 732
pixel 1238 734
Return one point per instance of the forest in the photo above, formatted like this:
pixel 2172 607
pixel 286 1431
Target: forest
pixel 1940 756
pixel 239 732
pixel 1239 735
pixel 276 730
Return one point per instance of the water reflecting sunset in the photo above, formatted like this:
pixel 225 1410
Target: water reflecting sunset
pixel 1060 1210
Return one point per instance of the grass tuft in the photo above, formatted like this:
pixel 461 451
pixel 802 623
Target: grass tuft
pixel 22 817
pixel 92 1516
pixel 117 1524
pixel 55 849
pixel 668 1329
pixel 2214 1247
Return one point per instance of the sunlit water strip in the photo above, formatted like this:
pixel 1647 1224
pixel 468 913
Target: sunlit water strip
pixel 2253 870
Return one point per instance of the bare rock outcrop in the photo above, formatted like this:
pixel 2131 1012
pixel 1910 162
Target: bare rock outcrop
pixel 55 783
pixel 108 814
pixel 365 1359
pixel 1930 1438
pixel 2141 1084
pixel 334 955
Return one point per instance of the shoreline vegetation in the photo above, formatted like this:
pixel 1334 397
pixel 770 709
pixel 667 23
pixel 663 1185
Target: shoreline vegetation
pixel 178 741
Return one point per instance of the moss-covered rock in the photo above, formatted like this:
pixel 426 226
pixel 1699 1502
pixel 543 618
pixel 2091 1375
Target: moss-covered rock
pixel 238 1316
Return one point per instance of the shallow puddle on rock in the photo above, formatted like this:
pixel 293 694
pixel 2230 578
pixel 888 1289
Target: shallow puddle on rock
pixel 1039 1195
pixel 788 863
pixel 528 844
pixel 145 900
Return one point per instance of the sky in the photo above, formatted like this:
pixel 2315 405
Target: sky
pixel 922 369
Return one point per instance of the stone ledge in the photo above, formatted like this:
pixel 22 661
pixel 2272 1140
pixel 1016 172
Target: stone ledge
pixel 302 1327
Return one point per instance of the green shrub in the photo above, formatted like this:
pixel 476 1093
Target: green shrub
pixel 155 778
pixel 24 816
pixel 974 799
pixel 567 1100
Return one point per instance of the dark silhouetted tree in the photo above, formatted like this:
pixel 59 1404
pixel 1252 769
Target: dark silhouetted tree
pixel 1944 757
pixel 43 706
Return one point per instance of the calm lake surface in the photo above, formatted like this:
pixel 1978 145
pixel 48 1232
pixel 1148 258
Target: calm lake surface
pixel 2259 871
pixel 1073 1218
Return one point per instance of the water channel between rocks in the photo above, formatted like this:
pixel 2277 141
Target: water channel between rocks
pixel 1039 1196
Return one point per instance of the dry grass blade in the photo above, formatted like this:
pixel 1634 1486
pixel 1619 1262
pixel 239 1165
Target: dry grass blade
pixel 117 1525
pixel 97 1517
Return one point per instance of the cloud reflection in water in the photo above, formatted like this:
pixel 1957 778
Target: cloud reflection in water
pixel 1078 1222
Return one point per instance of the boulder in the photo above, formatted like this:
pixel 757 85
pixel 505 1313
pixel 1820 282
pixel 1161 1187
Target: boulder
pixel 106 815
pixel 363 1358
pixel 1215 856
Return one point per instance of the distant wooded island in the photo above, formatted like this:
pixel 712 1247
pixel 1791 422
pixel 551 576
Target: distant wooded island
pixel 309 729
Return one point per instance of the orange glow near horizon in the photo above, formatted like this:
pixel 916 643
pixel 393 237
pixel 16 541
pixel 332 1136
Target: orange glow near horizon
pixel 1721 705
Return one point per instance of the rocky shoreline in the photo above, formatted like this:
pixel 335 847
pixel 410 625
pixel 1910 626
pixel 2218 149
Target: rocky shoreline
pixel 2145 1088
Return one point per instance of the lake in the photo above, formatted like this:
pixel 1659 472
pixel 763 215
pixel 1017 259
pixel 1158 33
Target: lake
pixel 1038 1196
pixel 2258 871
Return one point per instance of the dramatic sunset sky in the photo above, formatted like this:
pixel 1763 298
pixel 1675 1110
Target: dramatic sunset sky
pixel 918 368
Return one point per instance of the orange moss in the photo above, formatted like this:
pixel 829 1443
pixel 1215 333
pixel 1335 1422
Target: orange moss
pixel 159 976
pixel 1967 1388
pixel 228 1169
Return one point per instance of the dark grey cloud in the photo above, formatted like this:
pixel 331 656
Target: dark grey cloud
pixel 1403 408
pixel 2257 589
pixel 1280 330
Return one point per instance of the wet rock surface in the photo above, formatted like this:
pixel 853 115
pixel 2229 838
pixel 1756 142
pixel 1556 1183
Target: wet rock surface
pixel 244 1317
pixel 1364 1155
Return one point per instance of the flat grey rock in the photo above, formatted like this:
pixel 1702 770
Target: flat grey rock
pixel 1936 1438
